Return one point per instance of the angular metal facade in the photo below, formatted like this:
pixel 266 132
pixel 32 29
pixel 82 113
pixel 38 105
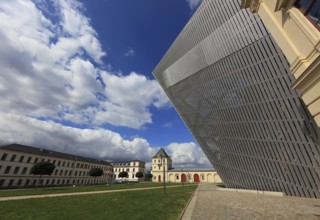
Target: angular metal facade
pixel 230 83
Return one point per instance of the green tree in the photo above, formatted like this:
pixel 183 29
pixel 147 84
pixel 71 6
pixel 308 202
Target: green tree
pixel 139 174
pixel 123 174
pixel 149 176
pixel 42 168
pixel 95 172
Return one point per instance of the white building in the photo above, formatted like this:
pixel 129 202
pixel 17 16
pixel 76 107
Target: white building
pixel 17 160
pixel 162 167
pixel 131 167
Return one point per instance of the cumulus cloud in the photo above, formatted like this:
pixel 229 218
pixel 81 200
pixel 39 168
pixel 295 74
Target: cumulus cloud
pixel 96 143
pixel 187 154
pixel 193 4
pixel 50 68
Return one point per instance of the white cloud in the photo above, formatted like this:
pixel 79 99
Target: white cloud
pixel 129 53
pixel 187 154
pixel 96 143
pixel 193 3
pixel 50 63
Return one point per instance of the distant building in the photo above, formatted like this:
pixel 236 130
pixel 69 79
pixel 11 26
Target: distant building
pixel 162 166
pixel 17 160
pixel 131 167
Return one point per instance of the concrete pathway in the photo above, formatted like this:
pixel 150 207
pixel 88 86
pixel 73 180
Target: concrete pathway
pixel 208 203
pixel 77 193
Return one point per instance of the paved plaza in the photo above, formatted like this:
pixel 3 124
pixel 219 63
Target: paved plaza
pixel 209 203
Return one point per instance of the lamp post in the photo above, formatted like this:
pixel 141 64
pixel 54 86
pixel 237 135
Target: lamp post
pixel 164 176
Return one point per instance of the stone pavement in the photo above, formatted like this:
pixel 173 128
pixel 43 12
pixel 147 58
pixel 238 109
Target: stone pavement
pixel 208 203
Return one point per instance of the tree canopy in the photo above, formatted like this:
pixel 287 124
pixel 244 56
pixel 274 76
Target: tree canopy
pixel 123 174
pixel 139 174
pixel 149 176
pixel 96 172
pixel 42 168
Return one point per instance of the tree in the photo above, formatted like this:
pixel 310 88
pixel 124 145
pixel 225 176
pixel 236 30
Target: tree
pixel 149 176
pixel 95 172
pixel 123 174
pixel 139 174
pixel 42 168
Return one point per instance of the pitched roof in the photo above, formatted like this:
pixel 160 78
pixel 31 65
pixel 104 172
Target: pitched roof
pixel 50 153
pixel 161 153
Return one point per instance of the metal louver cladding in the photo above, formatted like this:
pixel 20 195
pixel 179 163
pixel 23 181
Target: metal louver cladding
pixel 230 83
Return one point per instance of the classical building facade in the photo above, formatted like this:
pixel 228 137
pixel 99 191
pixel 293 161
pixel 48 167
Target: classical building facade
pixel 17 160
pixel 131 167
pixel 162 167
pixel 294 25
pixel 236 90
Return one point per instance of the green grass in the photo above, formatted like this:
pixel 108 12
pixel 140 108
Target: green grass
pixel 131 205
pixel 69 189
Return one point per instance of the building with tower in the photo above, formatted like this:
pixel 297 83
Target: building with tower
pixel 162 170
pixel 244 77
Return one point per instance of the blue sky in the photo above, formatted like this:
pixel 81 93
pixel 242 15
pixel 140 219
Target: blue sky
pixel 76 77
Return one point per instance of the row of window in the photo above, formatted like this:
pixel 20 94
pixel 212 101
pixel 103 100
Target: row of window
pixel 123 169
pixel 56 171
pixel 28 182
pixel 55 162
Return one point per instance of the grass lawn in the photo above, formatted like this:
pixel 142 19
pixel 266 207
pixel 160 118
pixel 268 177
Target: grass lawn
pixel 131 205
pixel 70 189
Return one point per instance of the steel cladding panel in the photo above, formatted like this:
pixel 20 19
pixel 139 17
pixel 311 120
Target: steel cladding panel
pixel 230 83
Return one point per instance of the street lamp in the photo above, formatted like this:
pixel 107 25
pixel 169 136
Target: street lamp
pixel 164 176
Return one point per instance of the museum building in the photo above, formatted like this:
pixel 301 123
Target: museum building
pixel 244 77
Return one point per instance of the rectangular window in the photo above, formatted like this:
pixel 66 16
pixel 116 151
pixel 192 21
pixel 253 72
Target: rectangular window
pixel 54 162
pixel 64 163
pixel 42 160
pixel 68 164
pixel 27 182
pixel 13 157
pixel 58 182
pixel 36 160
pixel 0 167
pixel 52 181
pixel 47 182
pixel 29 159
pixel 2 182
pixel 21 159
pixel 8 168
pixel 4 156
pixel 65 172
pixel 16 170
pixel 11 182
pixel 55 172
pixel 24 171
pixel 75 173
pixel 19 182
pixel 59 162
pixel 34 181
pixel 61 172
pixel 70 172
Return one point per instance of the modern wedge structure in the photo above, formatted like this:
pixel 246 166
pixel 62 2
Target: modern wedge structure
pixel 232 85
